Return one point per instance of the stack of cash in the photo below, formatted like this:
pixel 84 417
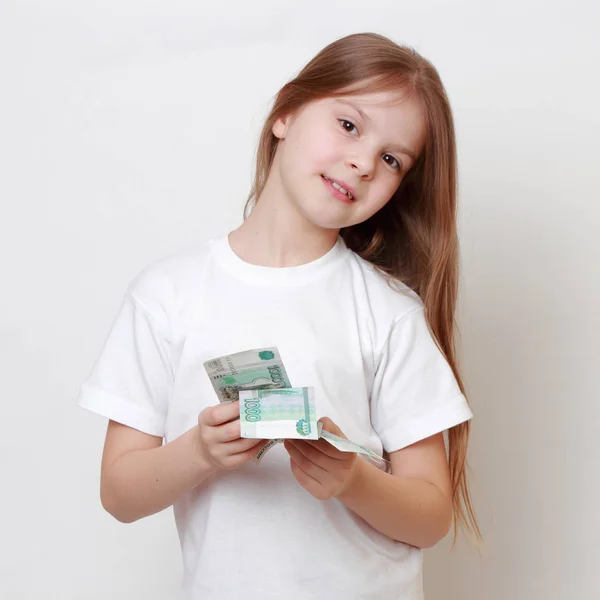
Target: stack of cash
pixel 270 408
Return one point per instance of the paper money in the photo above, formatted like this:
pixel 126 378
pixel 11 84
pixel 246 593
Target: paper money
pixel 260 368
pixel 347 446
pixel 284 413
pixel 266 448
pixel 289 414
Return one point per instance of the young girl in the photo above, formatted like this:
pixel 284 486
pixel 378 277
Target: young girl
pixel 348 265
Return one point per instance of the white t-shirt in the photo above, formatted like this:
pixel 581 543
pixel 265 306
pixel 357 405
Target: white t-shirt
pixel 254 532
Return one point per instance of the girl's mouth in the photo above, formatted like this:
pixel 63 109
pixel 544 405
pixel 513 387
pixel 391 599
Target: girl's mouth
pixel 345 197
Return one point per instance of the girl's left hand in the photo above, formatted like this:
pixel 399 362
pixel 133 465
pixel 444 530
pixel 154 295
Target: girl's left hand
pixel 322 470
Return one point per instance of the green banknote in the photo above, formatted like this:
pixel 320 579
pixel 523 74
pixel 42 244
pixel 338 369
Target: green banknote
pixel 347 446
pixel 281 414
pixel 278 414
pixel 261 368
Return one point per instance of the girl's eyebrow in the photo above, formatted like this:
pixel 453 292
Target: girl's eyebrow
pixel 366 117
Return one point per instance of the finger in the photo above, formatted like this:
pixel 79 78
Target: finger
pixel 221 413
pixel 329 425
pixel 242 445
pixel 326 448
pixel 300 474
pixel 228 431
pixel 309 483
pixel 311 461
pixel 235 460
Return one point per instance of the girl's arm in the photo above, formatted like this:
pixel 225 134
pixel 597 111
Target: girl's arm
pixel 140 476
pixel 413 503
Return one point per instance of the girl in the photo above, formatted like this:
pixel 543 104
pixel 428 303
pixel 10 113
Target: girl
pixel 347 263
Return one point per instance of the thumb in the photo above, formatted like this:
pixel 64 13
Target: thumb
pixel 329 425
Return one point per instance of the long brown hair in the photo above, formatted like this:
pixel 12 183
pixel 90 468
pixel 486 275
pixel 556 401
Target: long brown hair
pixel 413 238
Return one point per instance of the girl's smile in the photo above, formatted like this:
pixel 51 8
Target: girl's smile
pixel 336 193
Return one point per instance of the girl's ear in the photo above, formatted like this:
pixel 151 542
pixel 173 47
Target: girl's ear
pixel 280 127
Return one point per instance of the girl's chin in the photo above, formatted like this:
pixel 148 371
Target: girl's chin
pixel 331 221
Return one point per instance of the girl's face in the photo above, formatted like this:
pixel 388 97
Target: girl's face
pixel 369 152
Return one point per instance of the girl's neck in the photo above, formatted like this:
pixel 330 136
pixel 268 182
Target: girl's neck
pixel 280 237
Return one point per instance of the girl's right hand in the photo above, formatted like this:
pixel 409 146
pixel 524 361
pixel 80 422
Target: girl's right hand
pixel 219 437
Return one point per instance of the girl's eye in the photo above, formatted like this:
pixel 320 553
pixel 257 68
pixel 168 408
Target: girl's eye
pixel 398 165
pixel 346 121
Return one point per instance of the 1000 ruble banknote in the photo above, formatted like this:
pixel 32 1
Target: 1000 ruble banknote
pixel 249 370
pixel 289 414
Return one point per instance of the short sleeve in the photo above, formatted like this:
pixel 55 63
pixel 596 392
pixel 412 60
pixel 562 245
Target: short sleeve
pixel 132 378
pixel 415 394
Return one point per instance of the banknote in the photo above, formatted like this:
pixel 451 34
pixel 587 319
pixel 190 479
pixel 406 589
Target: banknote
pixel 266 448
pixel 260 368
pixel 347 446
pixel 280 414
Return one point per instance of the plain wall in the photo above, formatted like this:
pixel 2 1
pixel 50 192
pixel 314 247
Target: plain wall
pixel 128 131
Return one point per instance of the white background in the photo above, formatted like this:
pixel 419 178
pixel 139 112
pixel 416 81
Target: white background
pixel 127 132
